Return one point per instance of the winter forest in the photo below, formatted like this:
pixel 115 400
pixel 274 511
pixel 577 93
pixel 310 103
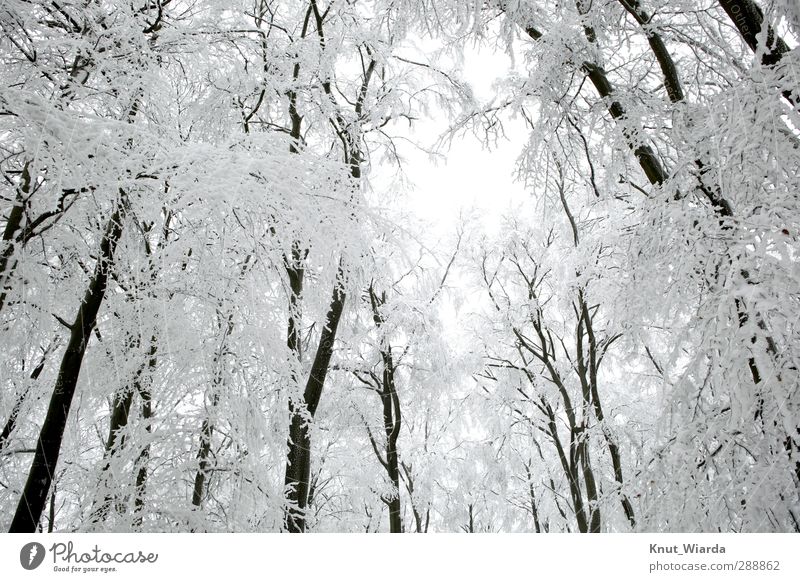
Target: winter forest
pixel 219 311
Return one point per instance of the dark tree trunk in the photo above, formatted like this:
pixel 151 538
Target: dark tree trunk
pixel 206 432
pixel 207 427
pixel 295 271
pixel 298 464
pixel 420 524
pixel 11 423
pixel 34 495
pixel 123 398
pixel 532 499
pixel 591 394
pixel 120 411
pixel 144 457
pixel 298 461
pixel 298 468
pixel 671 80
pixel 298 455
pixel 391 423
pixel 391 417
pixel 470 527
pixel 748 19
pixel 569 467
pixel 589 480
pixel 52 514
pixel 10 233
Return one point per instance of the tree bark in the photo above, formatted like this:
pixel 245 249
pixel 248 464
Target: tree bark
pixel 748 19
pixel 298 463
pixel 391 416
pixel 670 72
pixel 11 422
pixel 391 423
pixel 206 432
pixel 589 380
pixel 10 236
pixel 420 524
pixel 120 411
pixel 144 457
pixel 48 447
pixel 207 427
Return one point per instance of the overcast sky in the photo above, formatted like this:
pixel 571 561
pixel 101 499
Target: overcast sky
pixel 465 178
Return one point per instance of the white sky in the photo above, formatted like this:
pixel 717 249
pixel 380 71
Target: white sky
pixel 466 178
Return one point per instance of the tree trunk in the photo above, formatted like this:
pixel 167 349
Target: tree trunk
pixel 10 236
pixel 298 463
pixel 207 428
pixel 671 80
pixel 144 457
pixel 34 495
pixel 748 19
pixel 532 499
pixel 391 423
pixel 391 416
pixel 206 432
pixel 421 526
pixel 120 411
pixel 11 423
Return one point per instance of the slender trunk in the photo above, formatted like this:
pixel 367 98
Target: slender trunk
pixel 207 428
pixel 391 415
pixel 592 496
pixel 11 423
pixel 295 271
pixel 568 467
pixel 671 80
pixel 298 467
pixel 611 442
pixel 748 19
pixel 206 432
pixel 120 413
pixel 298 457
pixel 9 236
pixel 583 457
pixel 532 499
pixel 114 442
pixel 573 472
pixel 409 483
pixel 391 423
pixel 470 527
pixel 144 457
pixel 10 233
pixel 34 495
pixel 123 398
pixel 298 464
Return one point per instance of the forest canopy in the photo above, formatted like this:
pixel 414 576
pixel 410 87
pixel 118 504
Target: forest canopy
pixel 219 311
